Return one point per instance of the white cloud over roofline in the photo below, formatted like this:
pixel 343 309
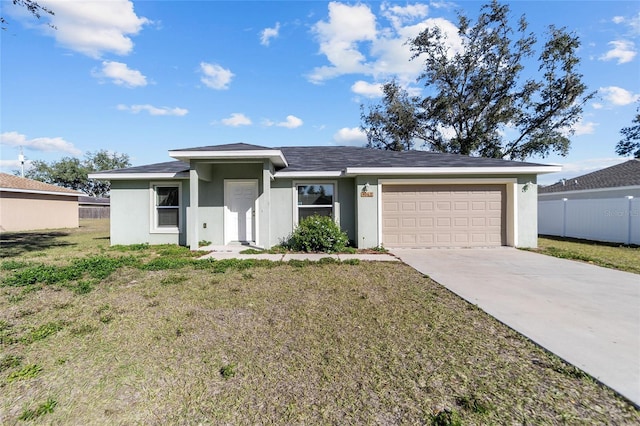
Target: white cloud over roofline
pixel 355 41
pixel 94 27
pixel 46 144
pixel 120 74
pixel 269 33
pixel 152 110
pixel 622 50
pixel 618 96
pixel 236 119
pixel 350 136
pixel 215 76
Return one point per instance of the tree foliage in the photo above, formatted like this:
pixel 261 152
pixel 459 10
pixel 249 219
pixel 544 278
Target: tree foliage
pixel 36 9
pixel 70 172
pixel 477 93
pixel 630 145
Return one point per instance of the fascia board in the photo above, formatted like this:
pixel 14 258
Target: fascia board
pixel 319 174
pixel 136 176
pixel 386 171
pixel 275 155
pixel 36 191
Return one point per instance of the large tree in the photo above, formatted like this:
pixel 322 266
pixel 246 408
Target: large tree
pixel 479 99
pixel 630 145
pixel 70 172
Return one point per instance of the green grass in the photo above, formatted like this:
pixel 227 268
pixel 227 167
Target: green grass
pixel 185 341
pixel 608 255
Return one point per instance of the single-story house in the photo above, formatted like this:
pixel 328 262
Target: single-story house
pixel 603 205
pixel 27 204
pixel 254 194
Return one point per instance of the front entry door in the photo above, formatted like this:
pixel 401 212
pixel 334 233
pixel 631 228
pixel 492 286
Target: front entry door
pixel 240 199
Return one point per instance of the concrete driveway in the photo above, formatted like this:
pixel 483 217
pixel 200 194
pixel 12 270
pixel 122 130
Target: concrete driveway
pixel 587 315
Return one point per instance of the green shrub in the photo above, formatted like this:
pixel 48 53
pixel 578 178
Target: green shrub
pixel 318 233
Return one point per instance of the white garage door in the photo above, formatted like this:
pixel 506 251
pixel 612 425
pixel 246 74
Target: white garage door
pixel 443 215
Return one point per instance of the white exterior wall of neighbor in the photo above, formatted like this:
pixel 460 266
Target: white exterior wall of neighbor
pixel 131 214
pixel 604 219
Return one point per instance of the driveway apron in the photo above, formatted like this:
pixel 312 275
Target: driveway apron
pixel 585 314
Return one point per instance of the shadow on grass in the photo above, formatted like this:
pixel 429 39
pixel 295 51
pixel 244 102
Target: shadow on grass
pixel 17 243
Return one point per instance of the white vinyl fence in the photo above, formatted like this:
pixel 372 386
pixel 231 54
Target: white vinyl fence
pixel 608 219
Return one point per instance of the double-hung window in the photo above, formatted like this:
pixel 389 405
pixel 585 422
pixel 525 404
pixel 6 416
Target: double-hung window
pixel 315 199
pixel 166 207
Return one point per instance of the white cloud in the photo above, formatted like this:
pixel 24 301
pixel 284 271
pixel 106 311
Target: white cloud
pixel 618 19
pixel 339 37
pixel 291 122
pixel 95 27
pixel 121 74
pixel 58 144
pixel 152 110
pixel 214 76
pixel 623 50
pixel 355 42
pixel 236 119
pixel 597 105
pixel 618 96
pixel 370 90
pixel 633 22
pixel 353 136
pixel 582 128
pixel 268 33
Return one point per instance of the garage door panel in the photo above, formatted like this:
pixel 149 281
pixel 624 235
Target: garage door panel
pixel 443 215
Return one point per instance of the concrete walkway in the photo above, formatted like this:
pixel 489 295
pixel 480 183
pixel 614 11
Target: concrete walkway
pixel 585 314
pixel 233 252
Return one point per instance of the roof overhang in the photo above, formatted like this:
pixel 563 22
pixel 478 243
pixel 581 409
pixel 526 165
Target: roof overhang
pixel 437 171
pixel 319 174
pixel 36 191
pixel 275 155
pixel 137 176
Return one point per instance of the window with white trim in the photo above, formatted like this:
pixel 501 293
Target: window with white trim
pixel 315 198
pixel 166 207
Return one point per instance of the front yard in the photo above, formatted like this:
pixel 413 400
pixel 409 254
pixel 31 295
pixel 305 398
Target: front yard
pixel 150 335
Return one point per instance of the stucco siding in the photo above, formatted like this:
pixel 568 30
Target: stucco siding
pixel 26 211
pixel 131 215
pixel 281 210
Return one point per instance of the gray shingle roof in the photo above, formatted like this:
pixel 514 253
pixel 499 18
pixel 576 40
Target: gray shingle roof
pixel 167 167
pixel 337 158
pixel 623 174
pixel 328 158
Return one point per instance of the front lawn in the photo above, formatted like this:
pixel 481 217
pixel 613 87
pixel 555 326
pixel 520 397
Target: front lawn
pixel 608 255
pixel 91 334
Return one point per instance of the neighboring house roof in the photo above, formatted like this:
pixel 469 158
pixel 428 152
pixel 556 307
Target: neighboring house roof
pixel 620 175
pixel 10 183
pixel 98 201
pixel 331 161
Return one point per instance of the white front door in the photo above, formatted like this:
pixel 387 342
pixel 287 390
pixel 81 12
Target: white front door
pixel 239 207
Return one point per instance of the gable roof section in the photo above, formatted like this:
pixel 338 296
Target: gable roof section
pixel 166 170
pixel 235 151
pixel 327 161
pixel 10 183
pixel 620 175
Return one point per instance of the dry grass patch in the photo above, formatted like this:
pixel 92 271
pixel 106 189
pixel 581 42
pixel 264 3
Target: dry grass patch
pixel 245 343
pixel 608 255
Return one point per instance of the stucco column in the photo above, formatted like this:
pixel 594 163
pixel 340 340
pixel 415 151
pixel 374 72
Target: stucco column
pixel 193 219
pixel 367 225
pixel 263 236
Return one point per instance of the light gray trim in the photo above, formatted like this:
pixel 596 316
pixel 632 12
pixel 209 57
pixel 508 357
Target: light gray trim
pixel 153 219
pixel 310 175
pixel 275 155
pixel 388 171
pixel 138 176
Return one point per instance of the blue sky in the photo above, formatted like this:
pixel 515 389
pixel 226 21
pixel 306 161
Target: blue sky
pixel 144 77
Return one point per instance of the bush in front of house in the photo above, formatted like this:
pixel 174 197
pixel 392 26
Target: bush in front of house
pixel 318 233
